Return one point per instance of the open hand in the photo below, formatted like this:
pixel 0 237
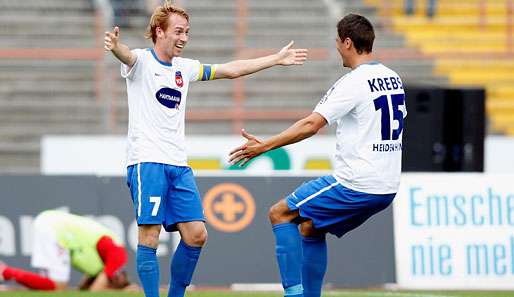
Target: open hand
pixel 292 56
pixel 111 39
pixel 244 153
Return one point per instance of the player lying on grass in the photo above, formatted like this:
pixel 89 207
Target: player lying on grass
pixel 61 241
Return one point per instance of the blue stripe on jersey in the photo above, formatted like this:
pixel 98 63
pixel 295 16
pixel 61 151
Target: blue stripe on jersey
pixel 157 59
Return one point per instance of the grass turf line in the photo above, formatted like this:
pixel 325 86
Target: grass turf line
pixel 346 293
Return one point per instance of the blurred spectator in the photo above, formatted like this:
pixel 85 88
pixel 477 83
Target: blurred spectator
pixel 430 8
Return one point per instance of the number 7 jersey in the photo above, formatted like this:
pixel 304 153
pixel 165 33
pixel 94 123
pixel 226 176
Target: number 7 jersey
pixel 368 106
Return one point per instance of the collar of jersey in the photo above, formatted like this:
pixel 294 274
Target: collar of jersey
pixel 157 59
pixel 369 63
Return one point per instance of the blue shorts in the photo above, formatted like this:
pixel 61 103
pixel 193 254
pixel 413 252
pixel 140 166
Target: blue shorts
pixel 334 208
pixel 164 194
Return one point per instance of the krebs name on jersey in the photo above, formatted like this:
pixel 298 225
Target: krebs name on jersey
pixel 385 84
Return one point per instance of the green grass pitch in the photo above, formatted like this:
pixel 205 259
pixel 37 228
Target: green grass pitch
pixel 342 293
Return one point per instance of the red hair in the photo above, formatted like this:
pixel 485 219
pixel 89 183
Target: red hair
pixel 160 19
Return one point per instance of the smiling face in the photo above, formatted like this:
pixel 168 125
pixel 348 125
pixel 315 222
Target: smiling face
pixel 175 37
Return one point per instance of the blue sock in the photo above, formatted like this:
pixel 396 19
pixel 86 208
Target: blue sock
pixel 148 270
pixel 314 265
pixel 182 268
pixel 288 249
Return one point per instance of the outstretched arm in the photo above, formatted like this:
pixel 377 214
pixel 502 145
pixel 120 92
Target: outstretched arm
pixel 299 131
pixel 286 56
pixel 119 50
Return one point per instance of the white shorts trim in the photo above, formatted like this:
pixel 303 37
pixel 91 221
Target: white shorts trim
pixel 317 193
pixel 138 190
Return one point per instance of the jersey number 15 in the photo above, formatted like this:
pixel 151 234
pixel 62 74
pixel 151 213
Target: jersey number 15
pixel 382 104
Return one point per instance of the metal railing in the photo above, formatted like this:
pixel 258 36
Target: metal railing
pixel 105 93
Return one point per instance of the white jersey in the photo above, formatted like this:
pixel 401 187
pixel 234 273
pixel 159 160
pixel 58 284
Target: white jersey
pixel 157 97
pixel 368 105
pixel 47 253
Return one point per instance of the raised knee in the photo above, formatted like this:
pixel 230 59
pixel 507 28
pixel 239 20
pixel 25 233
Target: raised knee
pixel 275 214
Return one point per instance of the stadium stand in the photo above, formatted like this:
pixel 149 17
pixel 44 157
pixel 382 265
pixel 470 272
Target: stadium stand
pixel 471 43
pixel 56 79
pixel 254 27
pixel 225 30
pixel 47 83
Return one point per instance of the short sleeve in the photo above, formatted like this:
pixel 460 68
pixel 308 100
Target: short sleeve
pixel 131 72
pixel 337 102
pixel 195 70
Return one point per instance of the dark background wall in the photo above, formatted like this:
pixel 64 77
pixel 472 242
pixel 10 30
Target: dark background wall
pixel 364 257
pixel 444 130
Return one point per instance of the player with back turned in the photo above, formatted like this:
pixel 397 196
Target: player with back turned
pixel 162 186
pixel 368 107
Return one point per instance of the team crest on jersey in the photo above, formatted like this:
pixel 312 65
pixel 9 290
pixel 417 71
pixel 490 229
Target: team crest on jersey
pixel 169 97
pixel 178 79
